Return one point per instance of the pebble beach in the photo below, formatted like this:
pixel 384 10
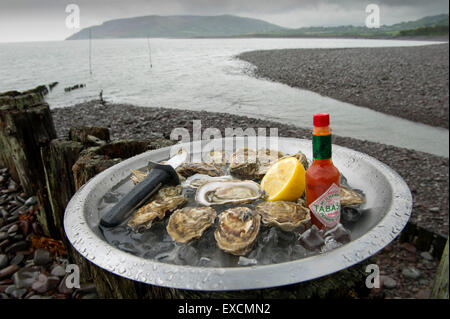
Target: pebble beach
pixel 408 82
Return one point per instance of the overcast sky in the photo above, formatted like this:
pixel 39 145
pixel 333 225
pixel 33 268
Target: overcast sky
pixel 42 20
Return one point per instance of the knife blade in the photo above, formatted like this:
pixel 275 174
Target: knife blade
pixel 158 176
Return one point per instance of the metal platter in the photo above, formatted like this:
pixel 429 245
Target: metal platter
pixel 388 205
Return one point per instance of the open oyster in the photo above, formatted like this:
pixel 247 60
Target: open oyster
pixel 288 216
pixel 243 163
pixel 166 200
pixel 189 223
pixel 191 168
pixel 198 180
pixel 137 176
pixel 350 197
pixel 235 192
pixel 237 230
pixel 266 158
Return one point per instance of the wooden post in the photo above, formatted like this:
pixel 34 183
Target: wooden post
pixel 58 159
pixel 440 287
pixel 92 161
pixel 26 125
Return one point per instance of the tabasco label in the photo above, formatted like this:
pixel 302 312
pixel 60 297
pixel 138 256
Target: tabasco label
pixel 327 207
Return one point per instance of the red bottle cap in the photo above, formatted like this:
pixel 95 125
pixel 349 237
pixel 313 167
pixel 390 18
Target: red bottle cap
pixel 321 119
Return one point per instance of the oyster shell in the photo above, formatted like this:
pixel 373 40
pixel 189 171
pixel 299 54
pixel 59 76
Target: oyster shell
pixel 189 223
pixel 350 197
pixel 137 176
pixel 301 158
pixel 219 158
pixel 166 200
pixel 198 180
pixel 288 216
pixel 235 192
pixel 266 158
pixel 243 163
pixel 191 168
pixel 237 230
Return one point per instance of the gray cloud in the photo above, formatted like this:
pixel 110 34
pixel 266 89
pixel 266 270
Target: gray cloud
pixel 24 20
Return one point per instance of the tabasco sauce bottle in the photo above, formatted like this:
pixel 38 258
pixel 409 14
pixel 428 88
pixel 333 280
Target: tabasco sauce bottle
pixel 322 178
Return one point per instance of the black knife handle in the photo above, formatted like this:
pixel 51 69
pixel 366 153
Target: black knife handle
pixel 159 175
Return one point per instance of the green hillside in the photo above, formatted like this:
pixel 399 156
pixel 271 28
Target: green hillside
pixel 177 27
pixel 233 26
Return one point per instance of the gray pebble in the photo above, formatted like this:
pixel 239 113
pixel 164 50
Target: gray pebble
pixel 45 283
pixel 26 276
pixel 411 273
pixel 21 245
pixel 31 201
pixel 426 255
pixel 3 261
pixel 13 229
pixel 17 259
pixel 18 293
pixel 41 257
pixel 58 271
pixel 10 289
pixel 3 213
pixel 388 282
pixel 434 209
pixel 3 235
pixel 424 282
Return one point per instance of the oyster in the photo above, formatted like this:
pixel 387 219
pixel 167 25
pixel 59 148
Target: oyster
pixel 191 168
pixel 137 176
pixel 219 158
pixel 166 200
pixel 288 216
pixel 189 223
pixel 350 197
pixel 235 192
pixel 237 230
pixel 266 158
pixel 243 163
pixel 302 159
pixel 198 180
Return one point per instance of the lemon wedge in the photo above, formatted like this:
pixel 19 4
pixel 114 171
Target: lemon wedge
pixel 285 180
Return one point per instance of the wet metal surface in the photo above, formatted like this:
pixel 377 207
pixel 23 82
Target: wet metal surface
pixel 388 204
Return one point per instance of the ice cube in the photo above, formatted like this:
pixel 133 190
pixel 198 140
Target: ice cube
pixel 188 254
pixel 312 238
pixel 243 261
pixel 339 234
pixel 350 214
pixel 298 251
pixel 330 244
pixel 158 248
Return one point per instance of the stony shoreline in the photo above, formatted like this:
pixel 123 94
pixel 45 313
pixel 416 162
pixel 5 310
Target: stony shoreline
pixel 408 82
